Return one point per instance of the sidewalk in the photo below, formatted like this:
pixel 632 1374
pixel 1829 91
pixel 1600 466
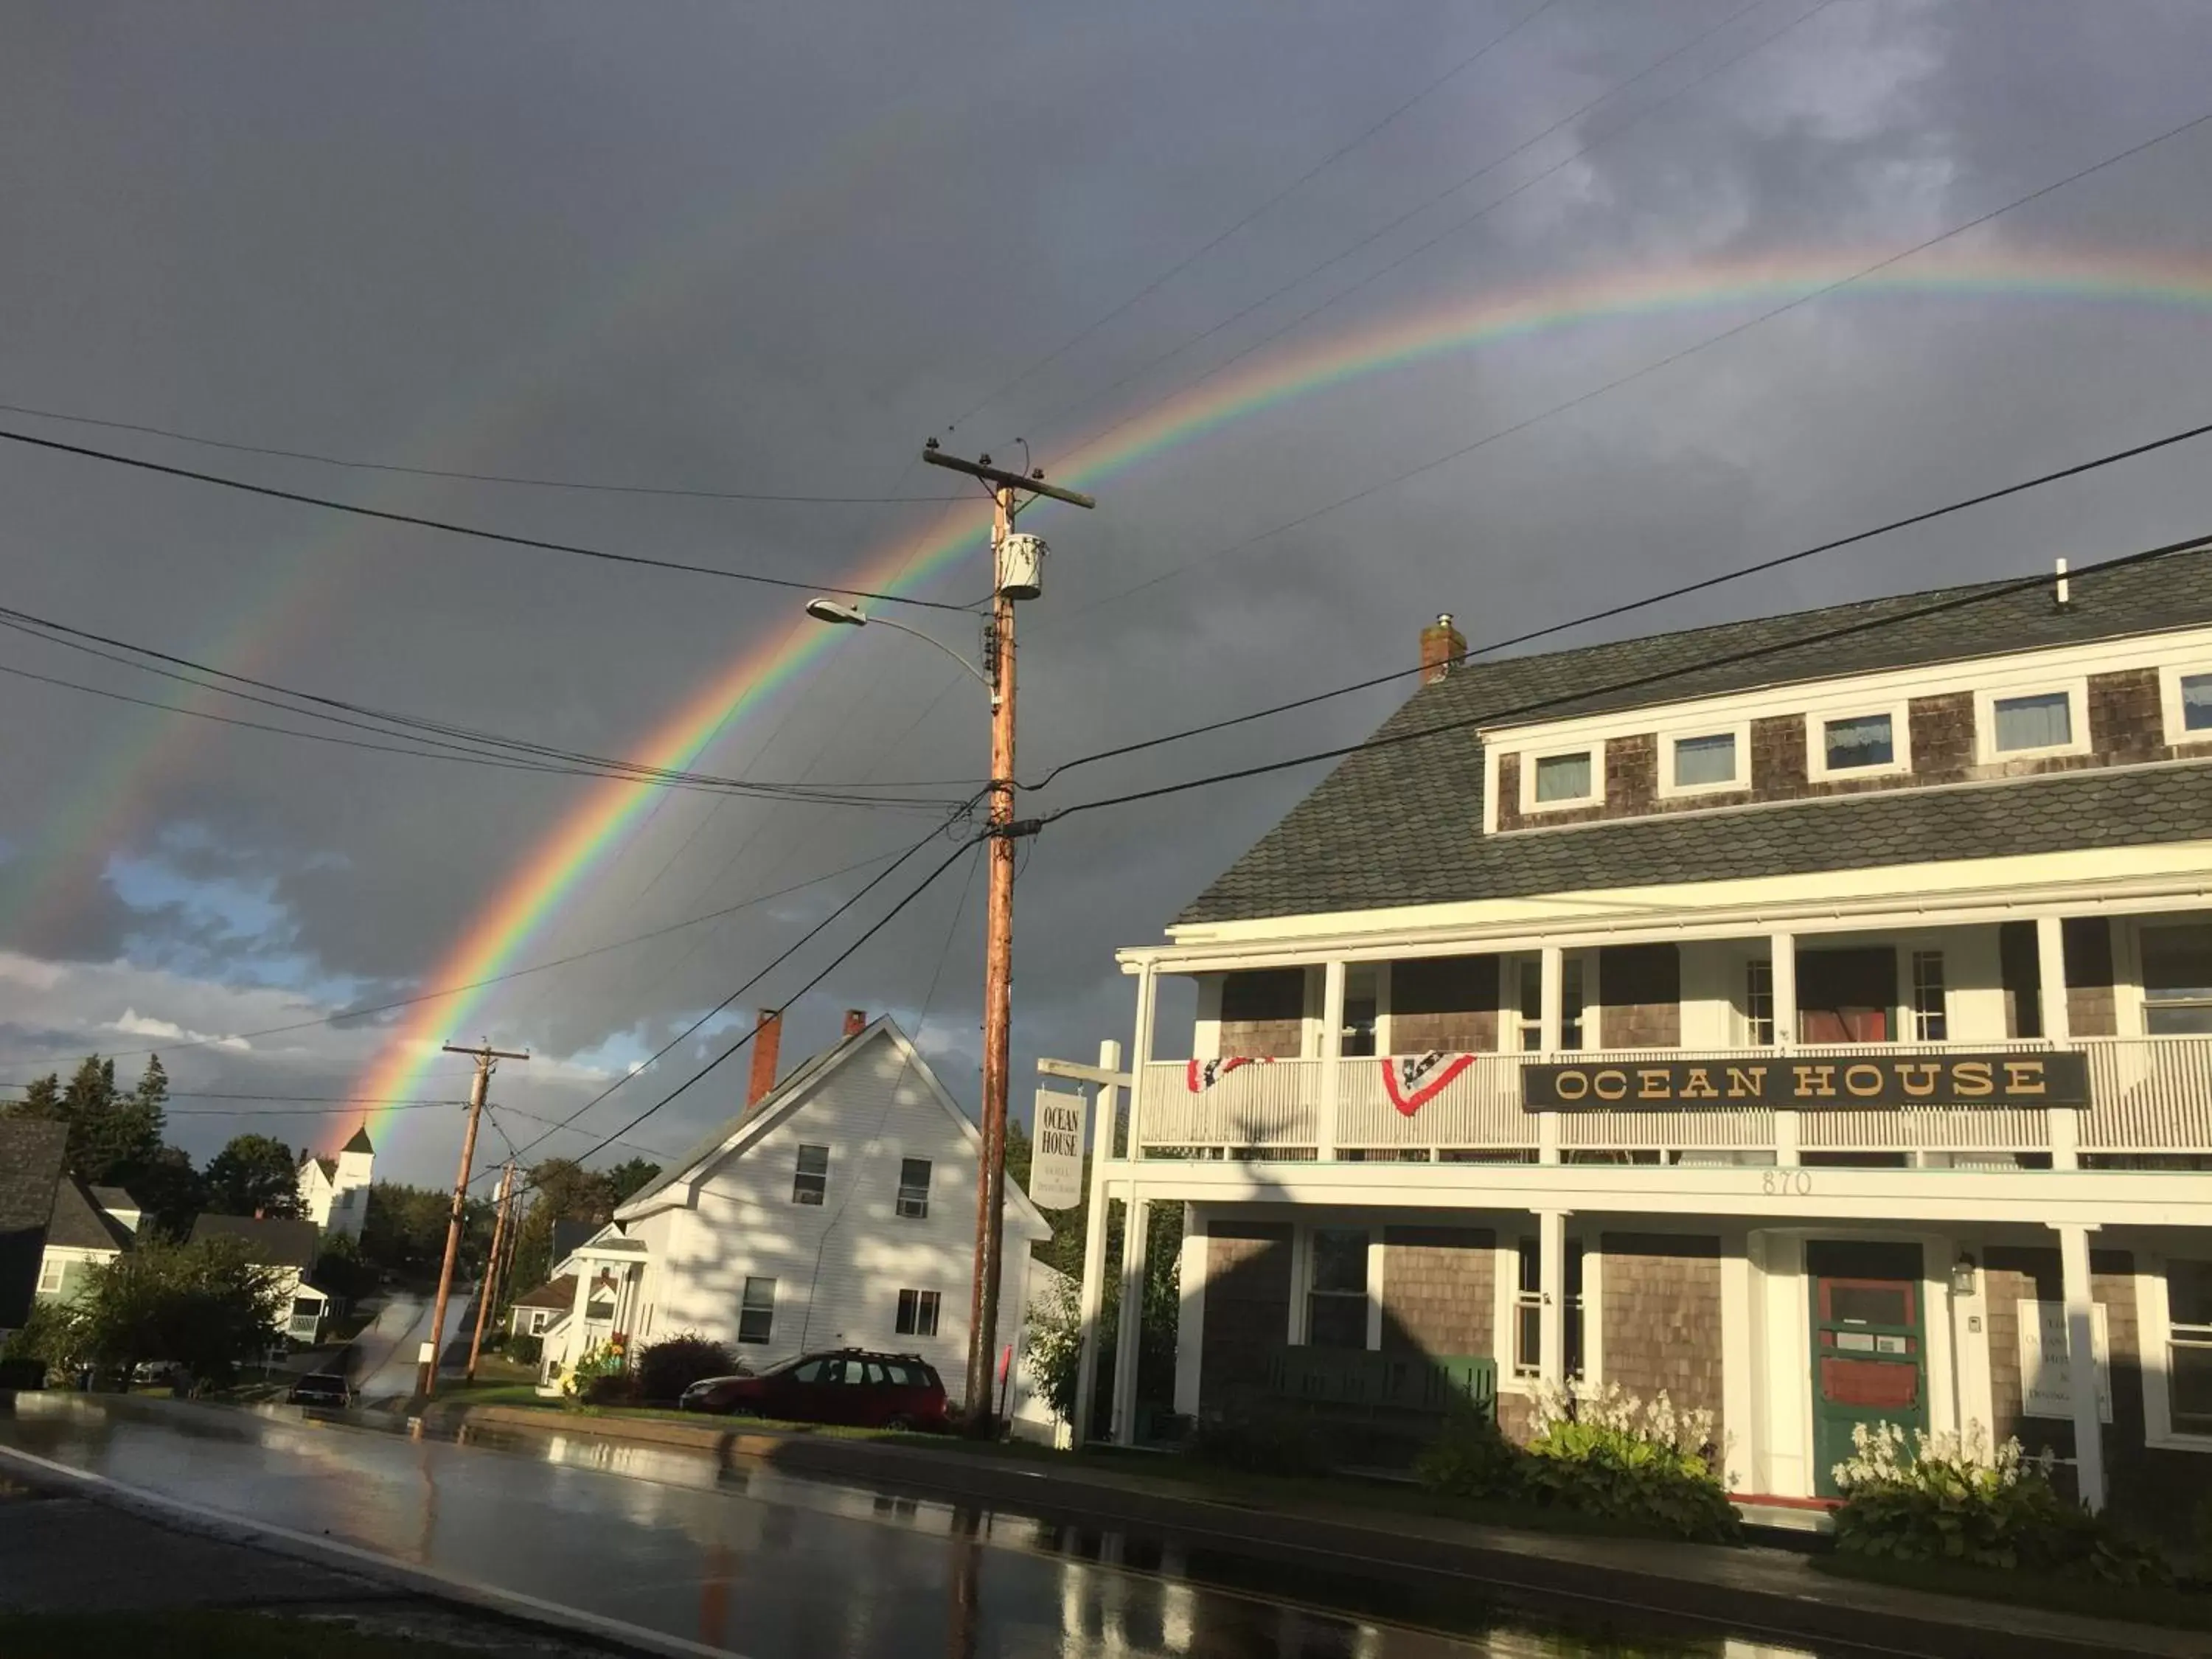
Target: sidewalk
pixel 1766 1592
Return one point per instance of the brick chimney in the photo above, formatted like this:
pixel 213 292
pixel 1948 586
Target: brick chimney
pixel 856 1021
pixel 767 1037
pixel 1442 646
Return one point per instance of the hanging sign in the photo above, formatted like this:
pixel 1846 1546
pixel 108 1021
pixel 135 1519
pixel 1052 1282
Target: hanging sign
pixel 1057 1150
pixel 1809 1082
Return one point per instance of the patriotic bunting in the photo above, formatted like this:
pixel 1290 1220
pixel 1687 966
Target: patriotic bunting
pixel 1413 1080
pixel 1203 1074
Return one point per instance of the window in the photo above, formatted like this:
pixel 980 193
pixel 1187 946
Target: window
pixel 914 1189
pixel 1531 984
pixel 2188 1346
pixel 50 1272
pixel 1759 1004
pixel 1362 1000
pixel 306 1307
pixel 1528 1309
pixel 917 1313
pixel 1562 780
pixel 756 1313
pixel 2176 980
pixel 2196 702
pixel 1931 1012
pixel 2042 719
pixel 810 1185
pixel 1336 1307
pixel 1705 763
pixel 1860 740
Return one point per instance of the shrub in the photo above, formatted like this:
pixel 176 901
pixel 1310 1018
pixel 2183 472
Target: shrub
pixel 1952 1498
pixel 524 1350
pixel 1470 1458
pixel 674 1364
pixel 1261 1438
pixel 581 1386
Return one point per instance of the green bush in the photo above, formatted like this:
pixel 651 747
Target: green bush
pixel 524 1350
pixel 1470 1458
pixel 674 1364
pixel 1949 1498
pixel 1258 1437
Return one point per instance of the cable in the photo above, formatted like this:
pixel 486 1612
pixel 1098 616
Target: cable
pixel 1491 716
pixel 1623 609
pixel 1305 177
pixel 1653 366
pixel 465 478
pixel 451 529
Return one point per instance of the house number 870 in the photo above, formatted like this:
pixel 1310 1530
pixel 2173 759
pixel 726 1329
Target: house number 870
pixel 1786 1183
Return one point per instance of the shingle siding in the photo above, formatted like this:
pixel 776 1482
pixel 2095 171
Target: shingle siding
pixel 1661 1319
pixel 1438 1291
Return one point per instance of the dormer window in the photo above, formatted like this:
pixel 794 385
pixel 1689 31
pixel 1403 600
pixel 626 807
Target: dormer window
pixel 1704 763
pixel 2185 690
pixel 1566 777
pixel 1858 743
pixel 2032 722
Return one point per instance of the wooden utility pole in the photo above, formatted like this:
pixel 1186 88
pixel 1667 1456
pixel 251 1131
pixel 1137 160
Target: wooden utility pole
pixel 1007 587
pixel 486 1059
pixel 494 1277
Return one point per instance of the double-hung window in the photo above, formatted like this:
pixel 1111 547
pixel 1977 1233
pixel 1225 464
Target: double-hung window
pixel 51 1271
pixel 810 1183
pixel 1529 1308
pixel 2176 980
pixel 914 1190
pixel 1931 1010
pixel 2188 1346
pixel 1336 1306
pixel 1759 1004
pixel 917 1313
pixel 756 1312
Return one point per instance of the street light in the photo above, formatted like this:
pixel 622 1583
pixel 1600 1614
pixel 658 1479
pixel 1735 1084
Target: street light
pixel 845 616
pixel 829 611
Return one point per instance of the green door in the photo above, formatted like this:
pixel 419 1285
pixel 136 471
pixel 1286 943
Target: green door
pixel 1870 1352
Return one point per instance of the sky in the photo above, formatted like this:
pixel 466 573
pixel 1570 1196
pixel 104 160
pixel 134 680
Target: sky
pixel 750 252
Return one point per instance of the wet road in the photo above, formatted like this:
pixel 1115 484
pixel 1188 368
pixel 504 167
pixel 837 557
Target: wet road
pixel 774 1566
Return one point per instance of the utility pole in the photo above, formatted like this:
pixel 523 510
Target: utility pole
pixel 486 1059
pixel 494 1277
pixel 1016 566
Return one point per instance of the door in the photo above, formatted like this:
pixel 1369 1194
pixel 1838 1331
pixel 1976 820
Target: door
pixel 1845 996
pixel 1869 1349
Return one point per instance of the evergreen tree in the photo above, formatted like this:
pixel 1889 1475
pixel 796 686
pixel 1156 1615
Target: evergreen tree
pixel 115 1137
pixel 170 1191
pixel 41 1101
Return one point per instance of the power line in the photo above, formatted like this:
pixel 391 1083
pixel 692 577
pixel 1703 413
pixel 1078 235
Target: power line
pixel 1656 364
pixel 449 527
pixel 1637 682
pixel 467 478
pixel 1304 179
pixel 1650 599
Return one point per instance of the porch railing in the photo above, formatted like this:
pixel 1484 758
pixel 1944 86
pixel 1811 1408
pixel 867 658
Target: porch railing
pixel 2147 1094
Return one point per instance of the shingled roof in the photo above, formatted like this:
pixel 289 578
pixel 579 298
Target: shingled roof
pixel 32 1154
pixel 1402 824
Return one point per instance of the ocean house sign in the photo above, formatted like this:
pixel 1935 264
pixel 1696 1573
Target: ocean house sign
pixel 1809 1082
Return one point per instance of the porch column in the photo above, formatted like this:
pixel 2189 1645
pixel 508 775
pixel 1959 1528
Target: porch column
pixel 1781 980
pixel 2081 1363
pixel 1550 1016
pixel 1332 1049
pixel 2065 1123
pixel 1141 1052
pixel 1135 1231
pixel 1094 1243
pixel 1552 1283
pixel 1190 1311
pixel 572 1342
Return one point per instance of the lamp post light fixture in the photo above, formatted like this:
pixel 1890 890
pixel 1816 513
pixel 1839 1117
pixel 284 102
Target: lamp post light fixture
pixel 847 615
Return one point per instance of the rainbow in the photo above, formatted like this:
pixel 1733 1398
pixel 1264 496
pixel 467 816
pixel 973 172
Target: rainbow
pixel 494 940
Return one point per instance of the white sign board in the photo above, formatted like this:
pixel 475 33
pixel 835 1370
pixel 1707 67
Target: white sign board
pixel 1057 1150
pixel 2046 1390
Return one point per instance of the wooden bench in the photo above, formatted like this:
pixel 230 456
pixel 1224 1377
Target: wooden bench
pixel 1383 1388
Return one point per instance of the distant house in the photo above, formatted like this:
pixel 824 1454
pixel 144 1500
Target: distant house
pixel 289 1246
pixel 83 1233
pixel 31 1156
pixel 836 1210
pixel 334 1191
pixel 534 1310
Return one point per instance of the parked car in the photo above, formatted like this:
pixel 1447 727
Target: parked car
pixel 848 1386
pixel 322 1389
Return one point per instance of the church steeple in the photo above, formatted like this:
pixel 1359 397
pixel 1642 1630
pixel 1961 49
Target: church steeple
pixel 359 1141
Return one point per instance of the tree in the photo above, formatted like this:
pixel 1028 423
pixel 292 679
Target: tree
pixel 1054 1340
pixel 253 1175
pixel 41 1101
pixel 170 1191
pixel 202 1306
pixel 565 1191
pixel 113 1137
pixel 630 1177
pixel 404 1232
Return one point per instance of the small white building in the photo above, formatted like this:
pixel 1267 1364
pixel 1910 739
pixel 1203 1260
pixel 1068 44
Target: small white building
pixel 334 1191
pixel 837 1210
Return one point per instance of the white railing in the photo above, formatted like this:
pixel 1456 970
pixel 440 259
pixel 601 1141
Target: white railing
pixel 2147 1096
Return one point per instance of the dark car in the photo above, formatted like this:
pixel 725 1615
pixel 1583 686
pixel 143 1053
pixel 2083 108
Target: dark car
pixel 322 1389
pixel 849 1386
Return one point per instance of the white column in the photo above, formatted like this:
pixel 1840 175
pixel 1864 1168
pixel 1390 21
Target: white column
pixel 1332 1049
pixel 1740 1371
pixel 1134 1229
pixel 1140 1055
pixel 1781 974
pixel 2081 1363
pixel 1550 1016
pixel 1094 1241
pixel 1190 1312
pixel 2058 1031
pixel 1552 1281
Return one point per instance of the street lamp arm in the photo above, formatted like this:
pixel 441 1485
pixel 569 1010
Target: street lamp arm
pixel 974 672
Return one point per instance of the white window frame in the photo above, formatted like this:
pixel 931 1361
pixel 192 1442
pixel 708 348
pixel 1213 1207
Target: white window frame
pixel 2076 690
pixel 1817 769
pixel 1909 956
pixel 1368 1292
pixel 912 1203
pixel 931 1301
pixel 2156 1331
pixel 801 1173
pixel 1531 758
pixel 1736 784
pixel 54 1267
pixel 745 1290
pixel 2170 676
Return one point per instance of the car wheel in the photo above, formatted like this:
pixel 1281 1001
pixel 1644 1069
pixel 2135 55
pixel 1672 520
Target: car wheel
pixel 900 1425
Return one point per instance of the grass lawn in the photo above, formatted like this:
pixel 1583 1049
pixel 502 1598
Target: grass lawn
pixel 200 1636
pixel 2180 1609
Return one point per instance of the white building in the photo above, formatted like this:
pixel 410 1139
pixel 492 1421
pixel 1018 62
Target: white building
pixel 1810 1016
pixel 334 1191
pixel 838 1209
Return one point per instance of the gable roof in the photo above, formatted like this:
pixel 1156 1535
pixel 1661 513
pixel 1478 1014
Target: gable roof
pixel 1402 824
pixel 80 1223
pixel 32 1155
pixel 553 1293
pixel 734 1137
pixel 360 1143
pixel 116 1200
pixel 269 1242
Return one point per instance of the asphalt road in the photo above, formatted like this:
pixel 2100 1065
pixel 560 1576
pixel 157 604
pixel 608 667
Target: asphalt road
pixel 380 1361
pixel 770 1564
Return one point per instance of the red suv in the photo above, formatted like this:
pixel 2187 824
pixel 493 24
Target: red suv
pixel 868 1390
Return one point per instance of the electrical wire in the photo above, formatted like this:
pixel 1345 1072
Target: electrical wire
pixel 1736 574
pixel 447 525
pixel 1957 602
